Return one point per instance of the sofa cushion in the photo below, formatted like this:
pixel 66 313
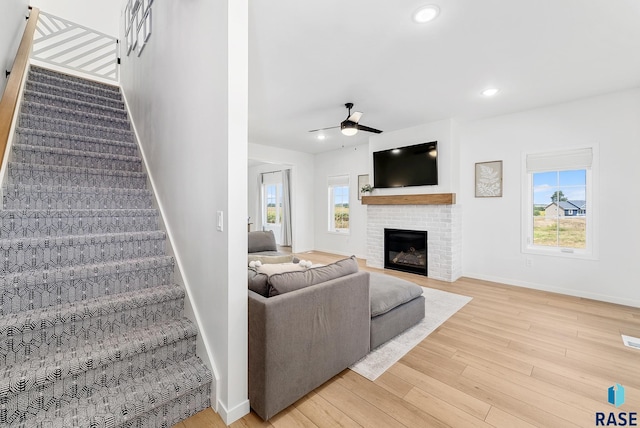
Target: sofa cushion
pixel 258 282
pixel 388 292
pixel 289 281
pixel 282 258
pixel 276 268
pixel 262 241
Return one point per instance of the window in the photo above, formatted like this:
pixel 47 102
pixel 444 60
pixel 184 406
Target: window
pixel 272 198
pixel 559 208
pixel 339 204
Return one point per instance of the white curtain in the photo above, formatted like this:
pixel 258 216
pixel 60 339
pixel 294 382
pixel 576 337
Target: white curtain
pixel 286 208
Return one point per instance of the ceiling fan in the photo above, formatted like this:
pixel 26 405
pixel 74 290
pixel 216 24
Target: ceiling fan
pixel 350 125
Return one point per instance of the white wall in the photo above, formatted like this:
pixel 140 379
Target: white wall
pixel 12 24
pixel 351 161
pixel 189 106
pixel 491 226
pixel 99 15
pixel 444 133
pixel 302 185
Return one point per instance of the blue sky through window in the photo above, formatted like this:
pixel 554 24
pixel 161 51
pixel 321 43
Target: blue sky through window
pixel 573 185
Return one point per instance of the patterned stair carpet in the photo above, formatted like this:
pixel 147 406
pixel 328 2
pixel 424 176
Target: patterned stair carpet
pixel 92 330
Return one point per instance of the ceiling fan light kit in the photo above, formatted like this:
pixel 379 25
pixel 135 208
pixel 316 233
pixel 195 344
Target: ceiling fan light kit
pixel 350 125
pixel 348 128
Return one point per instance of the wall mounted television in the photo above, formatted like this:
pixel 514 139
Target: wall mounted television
pixel 415 165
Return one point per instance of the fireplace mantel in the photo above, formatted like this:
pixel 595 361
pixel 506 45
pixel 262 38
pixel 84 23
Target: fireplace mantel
pixel 423 199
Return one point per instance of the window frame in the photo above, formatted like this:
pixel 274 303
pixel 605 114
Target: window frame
pixel 333 182
pixel 590 252
pixel 266 182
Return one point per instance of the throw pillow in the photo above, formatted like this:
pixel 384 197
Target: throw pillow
pixel 258 282
pixel 290 281
pixel 272 269
pixel 286 258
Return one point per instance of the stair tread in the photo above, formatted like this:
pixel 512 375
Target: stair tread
pixel 51 276
pixel 81 138
pixel 72 361
pixel 72 312
pixel 43 88
pixel 118 405
pixel 123 123
pixel 90 212
pixel 72 102
pixel 36 188
pixel 70 123
pixel 75 169
pixel 80 153
pixel 106 237
pixel 67 78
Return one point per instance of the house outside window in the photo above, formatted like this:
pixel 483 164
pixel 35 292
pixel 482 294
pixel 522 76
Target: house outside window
pixel 558 210
pixel 338 202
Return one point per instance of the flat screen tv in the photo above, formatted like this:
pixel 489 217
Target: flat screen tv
pixel 406 166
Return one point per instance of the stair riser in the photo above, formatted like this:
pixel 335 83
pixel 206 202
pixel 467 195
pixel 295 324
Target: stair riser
pixel 41 256
pixel 20 296
pixel 75 105
pixel 74 128
pixel 36 226
pixel 78 143
pixel 87 178
pixel 20 344
pixel 74 116
pixel 79 84
pixel 78 161
pixel 60 201
pixel 73 95
pixel 59 390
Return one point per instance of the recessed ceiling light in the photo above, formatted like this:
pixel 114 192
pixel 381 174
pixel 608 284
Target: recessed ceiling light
pixel 489 92
pixel 426 14
pixel 321 137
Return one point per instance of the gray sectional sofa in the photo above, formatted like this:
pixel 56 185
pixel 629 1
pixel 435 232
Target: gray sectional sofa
pixel 306 326
pixel 300 339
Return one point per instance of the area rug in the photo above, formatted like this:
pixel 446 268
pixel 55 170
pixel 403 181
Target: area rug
pixel 439 306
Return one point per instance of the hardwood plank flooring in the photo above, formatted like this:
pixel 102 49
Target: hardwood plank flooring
pixel 512 357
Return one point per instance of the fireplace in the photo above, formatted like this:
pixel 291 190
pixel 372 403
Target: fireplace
pixel 406 250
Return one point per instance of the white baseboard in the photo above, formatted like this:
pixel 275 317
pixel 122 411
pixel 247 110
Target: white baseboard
pixel 552 289
pixel 339 253
pixel 229 416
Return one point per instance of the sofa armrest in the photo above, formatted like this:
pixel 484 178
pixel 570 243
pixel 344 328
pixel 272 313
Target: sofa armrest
pixel 299 340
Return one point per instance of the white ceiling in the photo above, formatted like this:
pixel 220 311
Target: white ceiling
pixel 309 58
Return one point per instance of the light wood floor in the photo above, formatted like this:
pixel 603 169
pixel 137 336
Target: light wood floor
pixel 512 357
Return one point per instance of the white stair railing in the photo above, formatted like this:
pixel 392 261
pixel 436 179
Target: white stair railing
pixel 69 45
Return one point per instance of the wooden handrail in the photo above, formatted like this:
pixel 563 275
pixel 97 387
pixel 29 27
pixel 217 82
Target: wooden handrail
pixel 11 94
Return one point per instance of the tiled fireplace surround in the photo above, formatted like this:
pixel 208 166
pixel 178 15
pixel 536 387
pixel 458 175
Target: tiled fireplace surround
pixel 444 241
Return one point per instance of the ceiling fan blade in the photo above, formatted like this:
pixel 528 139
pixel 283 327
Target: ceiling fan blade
pixel 324 129
pixel 355 117
pixel 366 128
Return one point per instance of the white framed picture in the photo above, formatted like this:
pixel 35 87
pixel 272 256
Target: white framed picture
pixel 489 179
pixel 127 18
pixel 129 41
pixel 147 26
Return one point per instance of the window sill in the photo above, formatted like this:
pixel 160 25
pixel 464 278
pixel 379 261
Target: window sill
pixel 569 253
pixel 337 232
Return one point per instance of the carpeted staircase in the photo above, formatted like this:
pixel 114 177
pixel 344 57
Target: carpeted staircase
pixel 92 331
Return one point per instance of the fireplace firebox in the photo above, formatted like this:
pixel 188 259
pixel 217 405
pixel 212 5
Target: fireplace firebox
pixel 406 250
